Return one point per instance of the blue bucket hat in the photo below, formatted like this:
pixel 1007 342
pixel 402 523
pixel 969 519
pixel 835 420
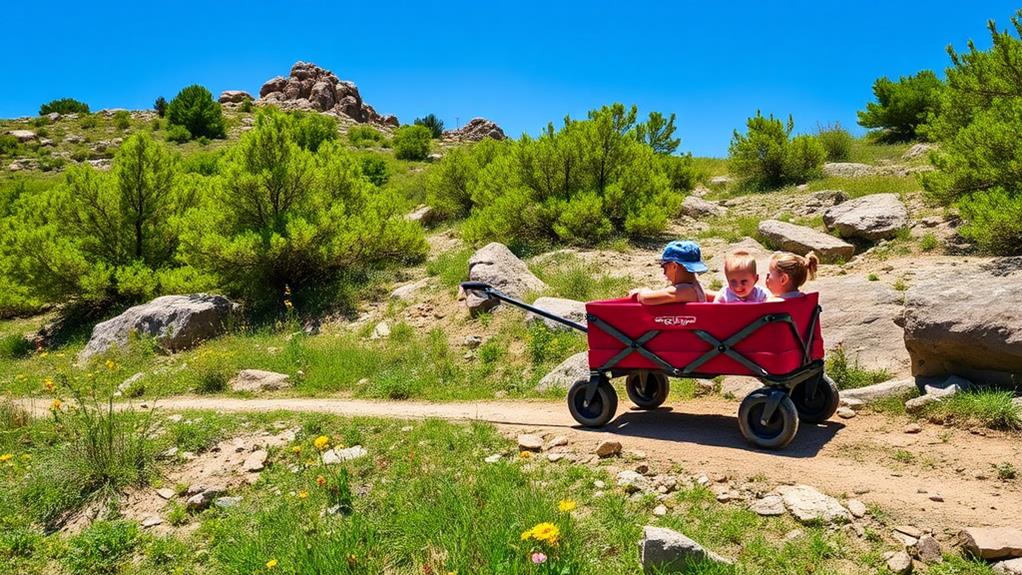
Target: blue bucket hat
pixel 685 253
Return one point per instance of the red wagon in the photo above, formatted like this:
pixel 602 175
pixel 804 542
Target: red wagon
pixel 777 342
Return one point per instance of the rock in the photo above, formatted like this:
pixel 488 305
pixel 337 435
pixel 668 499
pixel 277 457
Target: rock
pixel 566 373
pixel 848 170
pixel 492 458
pixel 406 291
pixel 175 321
pixel 608 449
pixel 917 150
pixel 970 327
pixel 310 87
pixel 768 506
pixel 201 500
pixel 166 493
pixel 566 308
pixel 73 139
pixel 434 157
pixel 332 456
pixel 259 380
pixel 845 413
pixel 555 457
pixel 851 403
pixel 234 96
pixel 802 240
pixel 738 386
pixel 912 428
pixel 696 207
pixel 911 531
pixel 929 550
pixel 878 391
pixel 899 563
pixel 53 116
pixel 227 502
pixel 382 330
pixel 660 510
pixel 472 341
pixel 664 550
pixel 632 481
pixel 809 505
pixel 529 442
pixel 559 441
pixel 476 129
pixel 992 542
pixel 23 135
pixel 422 214
pixel 151 521
pixel 720 181
pixel 1009 567
pixel 937 392
pixel 856 508
pixel 256 461
pixel 497 266
pixel 819 201
pixel 873 217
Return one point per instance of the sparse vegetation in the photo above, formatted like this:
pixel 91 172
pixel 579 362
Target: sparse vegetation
pixel 849 375
pixel 767 157
pixel 988 408
pixel 836 141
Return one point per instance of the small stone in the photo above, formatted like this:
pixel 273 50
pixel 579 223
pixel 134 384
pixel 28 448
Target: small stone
pixel 937 497
pixel 703 480
pixel 200 501
pixel 166 493
pixel 632 482
pixel 900 563
pixel 599 484
pixel 856 508
pixel 332 456
pixel 909 530
pixel 559 441
pixel 473 341
pixel 255 461
pixel 852 403
pixel 492 458
pixel 406 429
pixel 913 428
pixel 555 457
pixel 660 510
pixel 227 502
pixel 381 330
pixel 608 449
pixel 793 534
pixel 845 412
pixel 529 442
pixel 642 468
pixel 929 550
pixel 771 505
pixel 152 521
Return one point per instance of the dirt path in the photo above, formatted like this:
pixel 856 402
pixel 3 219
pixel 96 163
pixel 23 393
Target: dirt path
pixel 869 457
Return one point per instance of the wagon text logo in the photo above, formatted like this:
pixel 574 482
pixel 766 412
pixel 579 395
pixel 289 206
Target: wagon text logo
pixel 675 320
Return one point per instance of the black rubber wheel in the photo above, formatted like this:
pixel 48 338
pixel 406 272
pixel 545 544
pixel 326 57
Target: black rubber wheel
pixel 819 406
pixel 647 390
pixel 599 411
pixel 778 431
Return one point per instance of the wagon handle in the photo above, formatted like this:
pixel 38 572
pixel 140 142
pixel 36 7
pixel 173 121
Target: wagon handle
pixel 490 291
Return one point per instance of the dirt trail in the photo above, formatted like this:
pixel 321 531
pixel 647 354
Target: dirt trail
pixel 842 457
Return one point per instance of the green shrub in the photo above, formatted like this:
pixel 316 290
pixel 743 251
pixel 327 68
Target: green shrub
pixel 64 106
pixel 195 109
pixel 375 169
pixel 656 132
pixel 282 217
pixel 88 121
pixel 122 119
pixel 156 124
pixel 364 136
pixel 160 105
pixel 102 548
pixel 15 346
pixel 246 106
pixel 901 107
pixel 992 409
pixel 681 172
pixel 432 123
pixel 449 185
pixel 836 141
pixel 312 129
pixel 204 163
pixel 411 143
pixel 213 379
pixel 928 242
pixel 993 221
pixel 766 156
pixel 9 145
pixel 178 134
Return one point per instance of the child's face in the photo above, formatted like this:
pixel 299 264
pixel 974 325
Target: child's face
pixel 741 282
pixel 674 272
pixel 776 280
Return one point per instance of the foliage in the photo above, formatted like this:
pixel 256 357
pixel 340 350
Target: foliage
pixel 580 184
pixel 375 169
pixel 901 107
pixel 178 134
pixel 656 133
pixel 195 109
pixel 364 136
pixel 101 237
pixel 849 375
pixel 412 142
pixel 160 105
pixel 767 157
pixel 681 172
pixel 836 141
pixel 978 125
pixel 282 218
pixel 312 129
pixel 434 124
pixel 9 145
pixel 15 346
pixel 64 106
pixel 100 549
pixel 122 119
pixel 992 409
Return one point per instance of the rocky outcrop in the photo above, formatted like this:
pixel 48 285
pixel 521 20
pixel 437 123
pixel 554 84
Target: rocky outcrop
pixel 23 135
pixel 873 217
pixel 971 326
pixel 476 129
pixel 174 321
pixel 848 170
pixel 992 542
pixel 497 266
pixel 310 87
pixel 566 308
pixel 818 202
pixel 234 96
pixel 859 315
pixel 696 207
pixel 802 240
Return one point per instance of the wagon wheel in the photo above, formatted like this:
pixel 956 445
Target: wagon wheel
pixel 775 432
pixel 647 390
pixel 816 405
pixel 600 410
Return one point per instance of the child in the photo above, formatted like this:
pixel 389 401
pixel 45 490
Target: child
pixel 788 272
pixel 740 271
pixel 681 261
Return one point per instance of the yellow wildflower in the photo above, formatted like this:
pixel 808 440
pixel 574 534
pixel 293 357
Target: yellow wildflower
pixel 111 365
pixel 297 449
pixel 6 457
pixel 48 384
pixel 44 353
pixel 56 405
pixel 321 442
pixel 271 563
pixel 545 532
pixel 303 494
pixel 567 505
pixel 320 480
pixel 524 454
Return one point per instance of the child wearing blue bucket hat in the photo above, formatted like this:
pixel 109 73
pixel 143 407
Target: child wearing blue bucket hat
pixel 681 261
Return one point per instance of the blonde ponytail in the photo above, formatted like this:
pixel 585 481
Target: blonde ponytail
pixel 797 268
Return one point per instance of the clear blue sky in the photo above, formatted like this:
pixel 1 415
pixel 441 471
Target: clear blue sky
pixel 521 64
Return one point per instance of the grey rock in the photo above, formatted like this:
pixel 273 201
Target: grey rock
pixel 769 506
pixel 809 505
pixel 608 449
pixel 873 217
pixel 664 550
pixel 1009 567
pixel 492 458
pixel 632 482
pixel 23 135
pixel 422 214
pixel 859 315
pixel 566 308
pixel 899 563
pixel 497 266
pixel 201 500
pixel 227 502
pixel 660 510
pixel 529 442
pixel 696 207
pixel 332 456
pixel 819 201
pixel 856 508
pixel 255 461
pixel 381 331
pixel 473 341
pixel 917 150
pixel 992 542
pixel 259 380
pixel 851 403
pixel 476 129
pixel 845 412
pixel 152 521
pixel 849 170
pixel 566 373
pixel 406 291
pixel 802 240
pixel 166 493
pixel 720 180
pixel 910 530
pixel 929 550
pixel 234 96
pixel 175 321
pixel 878 391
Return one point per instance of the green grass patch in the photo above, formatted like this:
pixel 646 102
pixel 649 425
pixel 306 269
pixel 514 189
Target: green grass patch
pixel 732 228
pixel 569 277
pixel 866 185
pixel 987 408
pixel 864 151
pixel 451 268
pixel 848 374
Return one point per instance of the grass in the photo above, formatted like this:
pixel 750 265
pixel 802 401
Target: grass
pixel 864 151
pixel 987 408
pixel 732 228
pixel 866 185
pixel 849 375
pixel 569 277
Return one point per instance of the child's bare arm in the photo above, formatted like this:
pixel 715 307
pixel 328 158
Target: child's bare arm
pixel 671 294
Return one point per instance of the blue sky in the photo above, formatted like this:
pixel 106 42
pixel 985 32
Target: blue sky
pixel 520 64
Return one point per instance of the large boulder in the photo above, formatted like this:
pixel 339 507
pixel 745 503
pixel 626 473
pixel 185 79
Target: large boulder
pixel 696 207
pixel 23 135
pixel 818 202
pixel 663 550
pixel 476 129
pixel 259 380
pixel 234 96
pixel 992 542
pixel 174 321
pixel 497 266
pixel 802 240
pixel 566 308
pixel 966 322
pixel 873 217
pixel 859 315
pixel 310 87
pixel 566 373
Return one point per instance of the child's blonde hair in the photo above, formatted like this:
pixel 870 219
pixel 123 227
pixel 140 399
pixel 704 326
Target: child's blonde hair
pixel 739 261
pixel 798 268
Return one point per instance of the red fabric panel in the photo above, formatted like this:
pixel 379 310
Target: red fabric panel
pixel 772 347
